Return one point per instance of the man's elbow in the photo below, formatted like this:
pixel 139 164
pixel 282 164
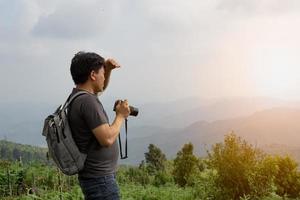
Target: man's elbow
pixel 106 142
pixel 103 135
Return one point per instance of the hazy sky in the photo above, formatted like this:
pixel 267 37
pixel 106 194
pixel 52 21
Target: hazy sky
pixel 168 49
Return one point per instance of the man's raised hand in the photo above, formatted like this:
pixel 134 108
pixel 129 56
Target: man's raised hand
pixel 111 64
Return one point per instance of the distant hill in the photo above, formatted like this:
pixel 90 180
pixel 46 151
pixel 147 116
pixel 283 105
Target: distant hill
pixel 273 126
pixel 26 153
pixel 218 110
pixel 171 124
pixel 276 125
pixel 283 150
pixel 22 122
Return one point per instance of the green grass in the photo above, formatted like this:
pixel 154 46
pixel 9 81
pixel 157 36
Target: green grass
pixel 172 192
pixel 128 192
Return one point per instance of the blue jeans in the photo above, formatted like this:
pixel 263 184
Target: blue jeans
pixel 100 188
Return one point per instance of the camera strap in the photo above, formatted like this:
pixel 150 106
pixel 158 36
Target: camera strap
pixel 120 143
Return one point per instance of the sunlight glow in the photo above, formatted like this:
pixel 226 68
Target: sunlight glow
pixel 275 72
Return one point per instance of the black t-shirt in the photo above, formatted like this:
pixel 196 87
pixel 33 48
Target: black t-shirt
pixel 86 113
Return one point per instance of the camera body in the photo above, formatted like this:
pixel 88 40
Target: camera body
pixel 133 110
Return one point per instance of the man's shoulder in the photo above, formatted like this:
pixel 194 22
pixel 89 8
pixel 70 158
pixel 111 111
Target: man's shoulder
pixel 86 100
pixel 90 108
pixel 89 102
pixel 84 96
pixel 87 97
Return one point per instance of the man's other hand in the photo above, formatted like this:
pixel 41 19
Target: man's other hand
pixel 123 109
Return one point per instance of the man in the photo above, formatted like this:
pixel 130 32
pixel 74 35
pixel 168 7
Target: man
pixel 90 126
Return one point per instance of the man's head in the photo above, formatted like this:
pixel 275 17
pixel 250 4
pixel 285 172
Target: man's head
pixel 88 68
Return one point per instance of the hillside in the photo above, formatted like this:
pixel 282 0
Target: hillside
pixel 172 124
pixel 22 121
pixel 273 126
pixel 26 153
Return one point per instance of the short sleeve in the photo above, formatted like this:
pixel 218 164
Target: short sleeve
pixel 92 112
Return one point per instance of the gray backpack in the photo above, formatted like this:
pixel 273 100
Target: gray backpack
pixel 61 145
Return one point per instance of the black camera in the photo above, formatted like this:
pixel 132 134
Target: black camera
pixel 133 110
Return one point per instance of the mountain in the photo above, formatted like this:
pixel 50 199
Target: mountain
pixel 283 150
pixel 174 123
pixel 26 153
pixel 183 112
pixel 152 114
pixel 264 127
pixel 277 125
pixel 22 121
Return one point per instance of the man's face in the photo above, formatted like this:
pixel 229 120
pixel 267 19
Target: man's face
pixel 99 80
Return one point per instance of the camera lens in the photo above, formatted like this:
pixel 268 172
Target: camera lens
pixel 134 111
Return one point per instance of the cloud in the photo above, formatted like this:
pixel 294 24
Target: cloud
pixel 75 20
pixel 194 40
pixel 17 18
pixel 263 7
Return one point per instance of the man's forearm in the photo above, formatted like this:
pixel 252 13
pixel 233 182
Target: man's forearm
pixel 107 77
pixel 115 128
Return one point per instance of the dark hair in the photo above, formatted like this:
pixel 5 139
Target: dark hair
pixel 83 63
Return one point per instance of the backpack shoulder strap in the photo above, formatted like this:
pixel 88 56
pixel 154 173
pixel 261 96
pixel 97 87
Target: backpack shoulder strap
pixel 68 103
pixel 70 99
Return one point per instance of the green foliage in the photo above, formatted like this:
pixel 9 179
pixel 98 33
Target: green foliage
pixel 135 175
pixel 74 194
pixel 162 178
pixel 287 178
pixel 233 170
pixel 155 159
pixel 25 153
pixel 274 196
pixel 35 179
pixel 261 178
pixel 170 192
pixel 185 166
pixel 205 187
pixel 242 169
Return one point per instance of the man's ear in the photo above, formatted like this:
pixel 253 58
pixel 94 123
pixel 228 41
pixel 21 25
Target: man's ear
pixel 93 75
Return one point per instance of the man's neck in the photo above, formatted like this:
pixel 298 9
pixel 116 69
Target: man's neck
pixel 85 87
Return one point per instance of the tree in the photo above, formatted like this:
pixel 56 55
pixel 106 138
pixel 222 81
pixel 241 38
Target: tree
pixel 16 154
pixel 185 165
pixel 155 159
pixel 3 153
pixel 287 178
pixel 241 169
pixel 138 175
